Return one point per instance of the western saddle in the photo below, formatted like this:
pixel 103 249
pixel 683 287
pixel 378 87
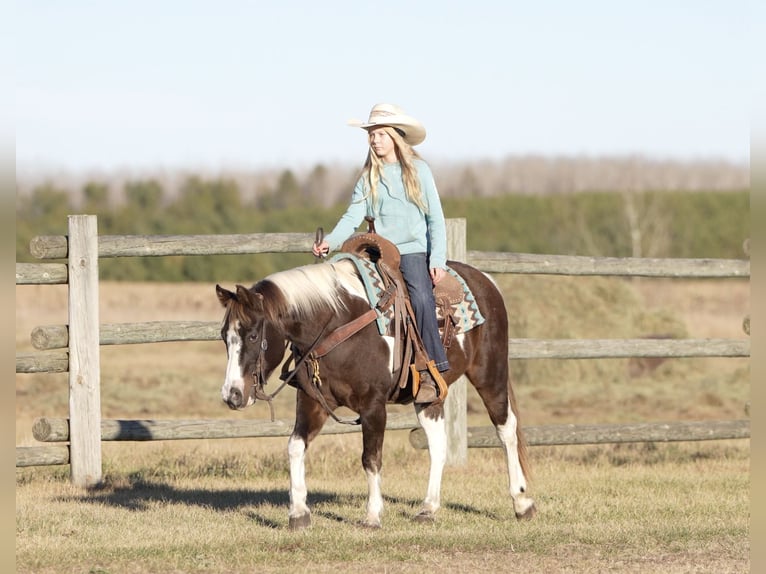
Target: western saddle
pixel 408 345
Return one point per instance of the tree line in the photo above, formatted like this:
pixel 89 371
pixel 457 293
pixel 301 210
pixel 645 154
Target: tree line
pixel 616 223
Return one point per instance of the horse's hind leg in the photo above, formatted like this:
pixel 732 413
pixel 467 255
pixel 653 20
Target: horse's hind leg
pixel 436 432
pixel 523 504
pixel 497 395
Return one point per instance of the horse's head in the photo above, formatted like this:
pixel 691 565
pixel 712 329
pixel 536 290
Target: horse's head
pixel 255 347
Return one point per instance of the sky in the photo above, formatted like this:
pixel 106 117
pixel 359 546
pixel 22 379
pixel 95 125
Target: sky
pixel 235 84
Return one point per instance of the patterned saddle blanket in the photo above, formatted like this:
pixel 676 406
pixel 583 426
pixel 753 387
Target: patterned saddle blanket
pixel 465 312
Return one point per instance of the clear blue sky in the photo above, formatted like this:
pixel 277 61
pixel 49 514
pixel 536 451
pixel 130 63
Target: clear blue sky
pixel 185 84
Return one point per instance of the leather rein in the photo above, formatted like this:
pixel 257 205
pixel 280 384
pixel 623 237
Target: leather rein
pixel 318 349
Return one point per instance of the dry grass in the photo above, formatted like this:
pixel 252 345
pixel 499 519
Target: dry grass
pixel 212 506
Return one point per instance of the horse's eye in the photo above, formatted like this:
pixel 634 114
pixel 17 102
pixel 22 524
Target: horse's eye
pixel 252 337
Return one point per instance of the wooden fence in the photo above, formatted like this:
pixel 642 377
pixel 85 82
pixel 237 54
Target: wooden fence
pixel 74 348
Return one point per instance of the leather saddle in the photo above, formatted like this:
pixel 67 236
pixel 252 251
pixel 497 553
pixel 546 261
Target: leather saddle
pixel 408 346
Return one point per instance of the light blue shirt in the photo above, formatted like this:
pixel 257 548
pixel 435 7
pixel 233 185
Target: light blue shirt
pixel 396 217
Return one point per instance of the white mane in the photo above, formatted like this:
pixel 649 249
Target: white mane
pixel 310 288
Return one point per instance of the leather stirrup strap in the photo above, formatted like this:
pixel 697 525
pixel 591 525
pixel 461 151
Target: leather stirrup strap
pixel 423 362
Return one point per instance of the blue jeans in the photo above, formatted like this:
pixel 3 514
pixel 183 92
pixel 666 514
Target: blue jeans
pixel 414 268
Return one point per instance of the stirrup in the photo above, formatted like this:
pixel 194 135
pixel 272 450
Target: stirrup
pixel 426 393
pixel 435 376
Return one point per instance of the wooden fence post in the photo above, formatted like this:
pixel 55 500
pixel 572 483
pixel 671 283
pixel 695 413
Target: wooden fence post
pixel 84 353
pixel 455 407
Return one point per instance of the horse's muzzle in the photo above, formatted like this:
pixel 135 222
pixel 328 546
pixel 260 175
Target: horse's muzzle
pixel 235 400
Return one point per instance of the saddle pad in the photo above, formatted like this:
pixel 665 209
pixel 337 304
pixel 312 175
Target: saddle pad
pixel 466 312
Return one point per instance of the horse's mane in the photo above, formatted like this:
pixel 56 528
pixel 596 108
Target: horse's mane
pixel 304 291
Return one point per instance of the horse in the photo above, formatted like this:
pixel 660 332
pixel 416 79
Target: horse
pixel 298 307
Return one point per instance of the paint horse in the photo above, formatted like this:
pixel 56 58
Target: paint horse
pixel 298 308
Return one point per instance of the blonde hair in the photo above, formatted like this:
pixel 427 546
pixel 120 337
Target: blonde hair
pixel 372 172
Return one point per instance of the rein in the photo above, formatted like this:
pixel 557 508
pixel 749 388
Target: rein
pixel 259 379
pixel 318 349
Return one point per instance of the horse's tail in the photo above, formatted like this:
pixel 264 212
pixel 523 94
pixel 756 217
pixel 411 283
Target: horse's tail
pixel 521 439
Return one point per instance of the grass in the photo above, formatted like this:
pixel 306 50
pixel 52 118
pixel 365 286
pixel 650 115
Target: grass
pixel 221 505
pixel 652 508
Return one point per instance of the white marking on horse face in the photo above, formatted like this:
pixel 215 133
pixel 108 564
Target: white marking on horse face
pixel 233 378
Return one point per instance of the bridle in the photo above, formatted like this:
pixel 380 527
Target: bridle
pixel 259 371
pixel 320 347
pixel 259 376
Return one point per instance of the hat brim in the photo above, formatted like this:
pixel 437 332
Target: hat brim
pixel 414 132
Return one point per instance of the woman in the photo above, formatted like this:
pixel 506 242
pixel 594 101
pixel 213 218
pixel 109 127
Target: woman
pixel 397 189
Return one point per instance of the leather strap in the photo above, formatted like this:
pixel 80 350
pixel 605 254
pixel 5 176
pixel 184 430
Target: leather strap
pixel 340 334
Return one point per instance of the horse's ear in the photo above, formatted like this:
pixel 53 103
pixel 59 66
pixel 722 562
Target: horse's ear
pixel 249 298
pixel 224 295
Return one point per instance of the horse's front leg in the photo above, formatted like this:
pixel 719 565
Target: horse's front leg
pixel 431 418
pixel 309 419
pixel 373 429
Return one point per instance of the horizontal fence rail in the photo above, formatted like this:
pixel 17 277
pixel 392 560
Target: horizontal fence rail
pixel 626 348
pixel 556 435
pixel 41 274
pixel 44 362
pixel 42 455
pixel 57 361
pixel 56 337
pixel 57 429
pixel 53 430
pixel 530 263
pixel 55 247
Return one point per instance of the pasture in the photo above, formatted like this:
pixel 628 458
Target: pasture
pixel 221 505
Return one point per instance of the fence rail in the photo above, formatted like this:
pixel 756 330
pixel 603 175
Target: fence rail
pixel 557 435
pixel 529 263
pixel 57 430
pixel 62 348
pixel 55 247
pixel 41 274
pixel 57 337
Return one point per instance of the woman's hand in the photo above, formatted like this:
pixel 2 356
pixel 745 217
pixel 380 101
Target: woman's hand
pixel 320 249
pixel 437 274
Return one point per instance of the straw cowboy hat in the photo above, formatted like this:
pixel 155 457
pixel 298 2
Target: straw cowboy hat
pixel 394 116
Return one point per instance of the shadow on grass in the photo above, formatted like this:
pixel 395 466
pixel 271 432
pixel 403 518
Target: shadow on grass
pixel 141 494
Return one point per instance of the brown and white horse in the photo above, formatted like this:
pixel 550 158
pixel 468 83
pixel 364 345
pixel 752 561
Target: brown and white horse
pixel 298 307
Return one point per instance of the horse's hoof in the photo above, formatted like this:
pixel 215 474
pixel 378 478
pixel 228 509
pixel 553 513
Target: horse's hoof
pixel 528 513
pixel 424 516
pixel 370 525
pixel 300 522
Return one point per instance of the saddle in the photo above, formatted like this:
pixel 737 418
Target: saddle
pixel 408 346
